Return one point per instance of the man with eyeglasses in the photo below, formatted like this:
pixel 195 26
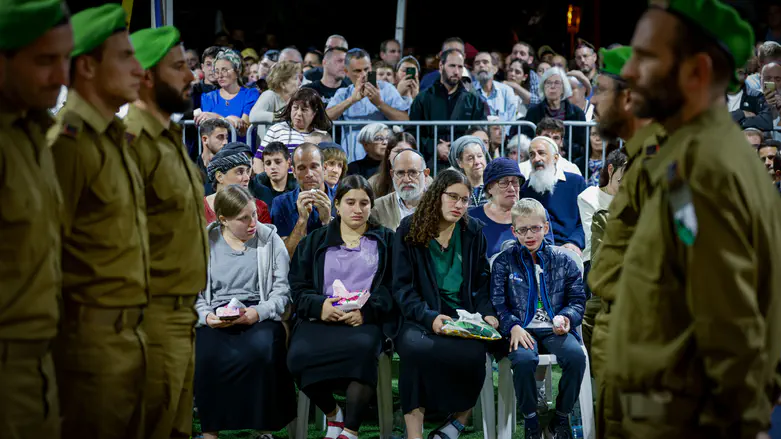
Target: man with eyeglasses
pixel 409 173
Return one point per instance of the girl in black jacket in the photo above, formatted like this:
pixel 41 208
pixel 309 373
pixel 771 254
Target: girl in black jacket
pixel 440 266
pixel 329 348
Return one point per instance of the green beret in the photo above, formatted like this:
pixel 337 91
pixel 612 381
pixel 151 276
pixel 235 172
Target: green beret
pixel 93 26
pixel 153 44
pixel 719 21
pixel 613 60
pixel 24 21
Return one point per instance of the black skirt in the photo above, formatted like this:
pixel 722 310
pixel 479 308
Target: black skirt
pixel 439 373
pixel 241 379
pixel 334 352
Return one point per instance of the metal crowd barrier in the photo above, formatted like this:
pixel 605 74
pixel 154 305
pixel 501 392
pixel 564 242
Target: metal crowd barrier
pixel 349 126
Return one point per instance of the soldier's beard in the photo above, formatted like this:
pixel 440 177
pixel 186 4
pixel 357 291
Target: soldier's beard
pixel 613 121
pixel 659 100
pixel 169 99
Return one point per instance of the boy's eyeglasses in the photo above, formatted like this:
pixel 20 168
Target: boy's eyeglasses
pixel 523 230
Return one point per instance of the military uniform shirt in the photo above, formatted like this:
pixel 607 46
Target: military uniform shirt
pixel 105 247
pixel 179 250
pixel 30 214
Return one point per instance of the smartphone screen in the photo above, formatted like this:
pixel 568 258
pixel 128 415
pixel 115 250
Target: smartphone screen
pixel 411 72
pixel 373 78
pixel 770 86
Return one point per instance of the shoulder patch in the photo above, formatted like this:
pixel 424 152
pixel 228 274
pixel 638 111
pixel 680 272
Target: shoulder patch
pixel 71 124
pixel 130 137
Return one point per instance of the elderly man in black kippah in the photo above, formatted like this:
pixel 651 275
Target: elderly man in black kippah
pixel 30 272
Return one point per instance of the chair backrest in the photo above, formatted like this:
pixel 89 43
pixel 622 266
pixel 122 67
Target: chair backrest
pixel 572 255
pixel 505 245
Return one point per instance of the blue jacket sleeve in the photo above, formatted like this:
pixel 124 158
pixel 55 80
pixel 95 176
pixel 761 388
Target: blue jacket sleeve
pixel 499 294
pixel 281 217
pixel 413 306
pixel 575 296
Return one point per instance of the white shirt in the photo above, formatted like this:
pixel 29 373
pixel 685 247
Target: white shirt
pixel 591 201
pixel 733 101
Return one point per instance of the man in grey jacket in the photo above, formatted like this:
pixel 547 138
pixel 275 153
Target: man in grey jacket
pixel 409 174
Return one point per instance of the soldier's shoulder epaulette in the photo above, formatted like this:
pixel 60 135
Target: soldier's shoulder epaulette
pixel 129 137
pixel 69 124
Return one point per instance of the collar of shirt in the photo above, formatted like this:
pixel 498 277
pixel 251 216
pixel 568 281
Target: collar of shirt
pixel 403 209
pixel 87 112
pixel 146 121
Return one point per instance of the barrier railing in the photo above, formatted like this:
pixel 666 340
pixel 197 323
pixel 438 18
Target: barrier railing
pixel 348 127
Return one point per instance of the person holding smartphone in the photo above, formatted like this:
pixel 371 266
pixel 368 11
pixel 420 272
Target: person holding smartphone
pixel 770 80
pixel 408 78
pixel 365 99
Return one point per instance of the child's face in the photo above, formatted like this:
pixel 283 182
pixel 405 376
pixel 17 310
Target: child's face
pixel 530 231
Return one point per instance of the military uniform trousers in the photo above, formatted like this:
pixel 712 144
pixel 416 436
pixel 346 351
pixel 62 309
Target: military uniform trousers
pixel 608 408
pixel 28 391
pixel 169 324
pixel 100 356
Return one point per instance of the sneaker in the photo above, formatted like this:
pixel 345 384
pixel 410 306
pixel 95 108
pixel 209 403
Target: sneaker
pixel 529 433
pixel 559 428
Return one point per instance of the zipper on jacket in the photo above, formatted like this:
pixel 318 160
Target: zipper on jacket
pixel 526 318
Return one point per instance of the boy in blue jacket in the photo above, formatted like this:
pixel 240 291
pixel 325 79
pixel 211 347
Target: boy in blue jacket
pixel 537 291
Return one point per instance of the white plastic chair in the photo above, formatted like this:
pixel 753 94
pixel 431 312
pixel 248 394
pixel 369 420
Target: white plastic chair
pixel 507 404
pixel 384 404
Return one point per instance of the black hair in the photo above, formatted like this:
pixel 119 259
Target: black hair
pixel 691 40
pixel 210 52
pixel 447 53
pixel 315 52
pixel 616 158
pixel 452 40
pixel 310 98
pixel 384 183
pixel 473 129
pixel 777 162
pixel 276 148
pixel 207 127
pixel 770 143
pixel 550 124
pixel 384 45
pixel 526 69
pixel 356 182
pixel 356 53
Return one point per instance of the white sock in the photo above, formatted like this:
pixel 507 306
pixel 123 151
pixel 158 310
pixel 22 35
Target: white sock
pixel 349 435
pixel 334 432
pixel 450 430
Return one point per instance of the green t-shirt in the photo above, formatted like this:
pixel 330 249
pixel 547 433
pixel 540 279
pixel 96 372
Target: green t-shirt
pixel 448 268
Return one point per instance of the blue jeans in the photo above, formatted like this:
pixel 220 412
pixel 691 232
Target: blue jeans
pixel 570 357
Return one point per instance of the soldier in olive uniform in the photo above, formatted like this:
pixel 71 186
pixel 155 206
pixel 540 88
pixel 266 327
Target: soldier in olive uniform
pixel 30 210
pixel 99 354
pixel 179 250
pixel 695 337
pixel 612 101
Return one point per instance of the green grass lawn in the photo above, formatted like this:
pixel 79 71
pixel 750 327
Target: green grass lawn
pixel 370 429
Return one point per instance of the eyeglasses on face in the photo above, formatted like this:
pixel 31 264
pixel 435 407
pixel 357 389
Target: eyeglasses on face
pixel 223 71
pixel 503 183
pixel 455 198
pixel 523 230
pixel 381 139
pixel 412 174
pixel 553 84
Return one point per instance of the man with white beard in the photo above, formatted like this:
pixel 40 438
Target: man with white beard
pixel 409 173
pixel 558 193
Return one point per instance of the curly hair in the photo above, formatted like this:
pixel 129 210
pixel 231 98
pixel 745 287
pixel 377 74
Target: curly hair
pixel 281 73
pixel 425 221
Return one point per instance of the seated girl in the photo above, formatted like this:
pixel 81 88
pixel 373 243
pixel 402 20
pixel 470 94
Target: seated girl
pixel 537 291
pixel 332 349
pixel 241 379
pixel 439 267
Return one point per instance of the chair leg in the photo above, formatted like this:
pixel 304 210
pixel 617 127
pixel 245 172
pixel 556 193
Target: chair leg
pixel 487 403
pixel 320 419
pixel 506 403
pixel 549 385
pixel 587 402
pixel 385 396
pixel 302 419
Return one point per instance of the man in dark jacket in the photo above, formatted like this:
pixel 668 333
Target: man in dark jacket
pixel 538 293
pixel 445 100
pixel 749 109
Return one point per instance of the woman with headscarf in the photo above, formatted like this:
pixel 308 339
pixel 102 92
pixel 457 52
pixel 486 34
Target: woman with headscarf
pixel 469 155
pixel 231 101
pixel 555 89
pixel 231 165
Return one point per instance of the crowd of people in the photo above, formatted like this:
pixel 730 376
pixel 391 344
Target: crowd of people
pixel 121 249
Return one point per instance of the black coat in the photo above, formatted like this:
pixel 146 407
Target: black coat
pixel 307 274
pixel 571 113
pixel 414 279
pixel 753 101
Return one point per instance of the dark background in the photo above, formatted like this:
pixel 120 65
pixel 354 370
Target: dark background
pixel 487 25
